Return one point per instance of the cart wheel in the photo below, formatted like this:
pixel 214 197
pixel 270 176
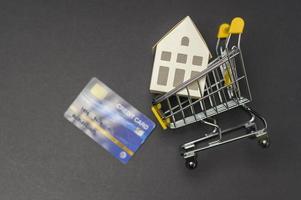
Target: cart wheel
pixel 264 142
pixel 191 162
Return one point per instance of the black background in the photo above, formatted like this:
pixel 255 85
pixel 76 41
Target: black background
pixel 49 50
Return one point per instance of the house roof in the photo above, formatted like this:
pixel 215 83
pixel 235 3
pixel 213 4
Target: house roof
pixel 173 28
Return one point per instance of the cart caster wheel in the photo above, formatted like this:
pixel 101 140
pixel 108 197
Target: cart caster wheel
pixel 264 142
pixel 191 163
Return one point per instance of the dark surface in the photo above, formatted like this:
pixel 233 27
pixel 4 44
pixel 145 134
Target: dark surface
pixel 49 50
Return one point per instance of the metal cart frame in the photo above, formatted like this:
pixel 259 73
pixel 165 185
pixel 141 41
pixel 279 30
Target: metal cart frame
pixel 226 87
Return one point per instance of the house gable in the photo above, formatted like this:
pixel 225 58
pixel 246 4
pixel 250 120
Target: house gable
pixel 180 54
pixel 187 26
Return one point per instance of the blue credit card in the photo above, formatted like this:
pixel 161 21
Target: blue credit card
pixel 109 120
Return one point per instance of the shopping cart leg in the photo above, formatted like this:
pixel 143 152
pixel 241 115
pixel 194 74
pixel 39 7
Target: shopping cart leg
pixel 261 135
pixel 215 132
pixel 190 150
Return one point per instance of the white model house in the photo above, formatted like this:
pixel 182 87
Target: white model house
pixel 179 55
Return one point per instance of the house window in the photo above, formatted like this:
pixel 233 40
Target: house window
pixel 165 55
pixel 179 77
pixel 185 41
pixel 163 75
pixel 194 85
pixel 197 60
pixel 181 58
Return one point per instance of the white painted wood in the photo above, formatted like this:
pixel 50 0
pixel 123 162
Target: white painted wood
pixel 171 42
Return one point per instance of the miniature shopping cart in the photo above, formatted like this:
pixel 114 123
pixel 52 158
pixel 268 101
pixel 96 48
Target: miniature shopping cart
pixel 226 87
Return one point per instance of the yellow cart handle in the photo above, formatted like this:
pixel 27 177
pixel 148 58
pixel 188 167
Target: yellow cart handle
pixel 223 31
pixel 236 26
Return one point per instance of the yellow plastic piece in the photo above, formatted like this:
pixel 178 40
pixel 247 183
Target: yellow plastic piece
pixel 162 122
pixel 223 31
pixel 227 76
pixel 237 26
